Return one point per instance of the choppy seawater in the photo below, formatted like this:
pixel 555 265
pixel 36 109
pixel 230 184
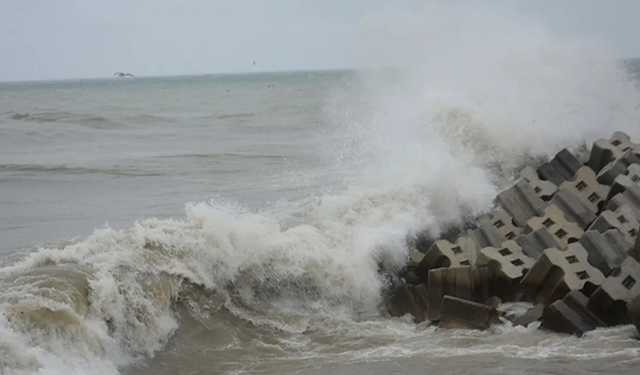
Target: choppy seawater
pixel 247 216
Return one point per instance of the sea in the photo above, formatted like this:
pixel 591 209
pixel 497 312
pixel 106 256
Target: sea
pixel 244 223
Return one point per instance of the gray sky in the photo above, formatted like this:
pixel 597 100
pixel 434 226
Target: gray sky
pixel 45 39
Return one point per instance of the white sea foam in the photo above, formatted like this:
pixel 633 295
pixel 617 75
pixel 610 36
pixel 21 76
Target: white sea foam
pixel 481 90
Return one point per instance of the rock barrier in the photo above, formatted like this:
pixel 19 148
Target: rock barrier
pixel 563 237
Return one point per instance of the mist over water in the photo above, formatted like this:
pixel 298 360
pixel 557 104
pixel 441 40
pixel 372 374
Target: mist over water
pixel 474 92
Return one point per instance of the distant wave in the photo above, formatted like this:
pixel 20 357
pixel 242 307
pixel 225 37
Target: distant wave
pixel 239 115
pixel 89 120
pixel 53 116
pixel 224 155
pixel 228 116
pixel 65 169
pixel 149 118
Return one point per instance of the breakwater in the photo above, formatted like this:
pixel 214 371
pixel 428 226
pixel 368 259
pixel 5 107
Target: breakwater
pixel 563 237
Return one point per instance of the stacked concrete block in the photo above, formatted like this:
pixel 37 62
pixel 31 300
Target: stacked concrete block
pixel 635 251
pixel 564 237
pixel 446 254
pixel 556 273
pixel 415 259
pixel 630 197
pixel 609 300
pixel 534 314
pixel 509 264
pixel 469 283
pixel 574 209
pixel 605 151
pixel 494 229
pixel 562 230
pixel 504 225
pixel 534 243
pixel 447 281
pixel 420 293
pixel 587 188
pixel 633 309
pixel 409 299
pixel 543 188
pixel 561 168
pixel 485 235
pixel 484 284
pixel 633 172
pixel 623 219
pixel 571 315
pixel 617 167
pixel 520 201
pixel 460 313
pixel 607 250
pixel 622 182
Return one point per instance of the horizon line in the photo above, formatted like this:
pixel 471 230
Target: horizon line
pixel 622 59
pixel 179 75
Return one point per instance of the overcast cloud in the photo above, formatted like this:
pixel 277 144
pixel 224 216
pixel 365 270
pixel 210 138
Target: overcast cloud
pixel 44 39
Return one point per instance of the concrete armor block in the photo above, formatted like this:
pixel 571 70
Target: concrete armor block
pixel 623 219
pixel 557 272
pixel 605 151
pixel 561 168
pixel 571 315
pixel 509 264
pixel 562 230
pixel 520 201
pixel 575 210
pixel 460 313
pixel 609 300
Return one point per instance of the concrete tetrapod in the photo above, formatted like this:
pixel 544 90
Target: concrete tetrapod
pixel 469 283
pixel 606 250
pixel 587 188
pixel 571 315
pixel 604 151
pixel 630 197
pixel 543 188
pixel 624 181
pixel 562 230
pixel 574 209
pixel 446 254
pixel 555 273
pixel 609 300
pixel 494 229
pixel 509 264
pixel 520 201
pixel 623 219
pixel 460 313
pixel 561 168
pixel 617 167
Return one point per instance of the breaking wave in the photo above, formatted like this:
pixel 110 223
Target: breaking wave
pixel 420 148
